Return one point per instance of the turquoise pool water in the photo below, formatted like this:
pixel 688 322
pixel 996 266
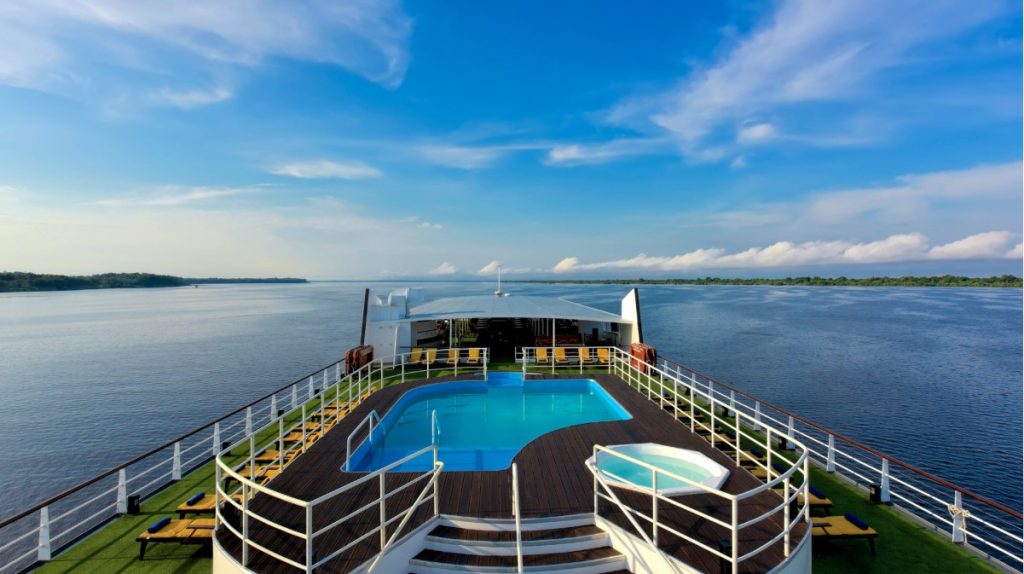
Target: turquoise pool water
pixel 627 471
pixel 483 424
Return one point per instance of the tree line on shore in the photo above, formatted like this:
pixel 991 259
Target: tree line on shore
pixel 19 281
pixel 906 281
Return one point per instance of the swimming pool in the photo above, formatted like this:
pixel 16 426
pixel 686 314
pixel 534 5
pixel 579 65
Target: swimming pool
pixel 483 424
pixel 689 464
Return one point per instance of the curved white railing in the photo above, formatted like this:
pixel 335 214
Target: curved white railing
pixel 780 469
pixel 39 532
pixel 307 534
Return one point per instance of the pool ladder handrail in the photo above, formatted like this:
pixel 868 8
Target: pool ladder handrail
pixel 373 416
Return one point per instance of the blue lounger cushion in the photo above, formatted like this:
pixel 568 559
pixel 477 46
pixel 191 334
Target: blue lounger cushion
pixel 195 498
pixel 730 434
pixel 816 492
pixel 778 467
pixel 159 524
pixel 756 452
pixel 854 520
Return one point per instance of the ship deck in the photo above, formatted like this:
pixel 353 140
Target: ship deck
pixel 552 479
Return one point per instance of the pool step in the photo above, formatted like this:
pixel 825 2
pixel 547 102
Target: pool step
pixel 509 524
pixel 571 544
pixel 594 561
pixel 503 542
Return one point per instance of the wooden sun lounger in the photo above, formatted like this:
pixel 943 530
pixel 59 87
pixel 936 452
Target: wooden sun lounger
pixel 474 357
pixel 560 357
pixel 271 455
pixel 603 356
pixel 453 357
pixel 415 355
pixel 206 505
pixel 193 531
pixel 840 528
pixel 815 502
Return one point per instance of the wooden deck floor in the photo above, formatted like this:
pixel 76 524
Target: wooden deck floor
pixel 553 481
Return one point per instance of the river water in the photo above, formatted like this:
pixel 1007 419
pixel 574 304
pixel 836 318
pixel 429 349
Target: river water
pixel 89 379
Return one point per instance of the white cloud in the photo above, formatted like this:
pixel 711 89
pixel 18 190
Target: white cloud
pixel 756 133
pixel 463 157
pixel 173 195
pixel 807 53
pixel 740 162
pixel 913 193
pixel 189 99
pixel 490 269
pixel 59 46
pixel 991 244
pixel 895 248
pixel 1016 253
pixel 324 169
pixel 583 154
pixel 445 268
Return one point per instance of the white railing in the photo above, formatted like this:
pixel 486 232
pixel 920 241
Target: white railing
pixel 272 533
pixel 780 469
pixel 38 533
pixel 985 526
pixel 516 515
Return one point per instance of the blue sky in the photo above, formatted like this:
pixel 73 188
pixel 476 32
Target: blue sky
pixel 383 139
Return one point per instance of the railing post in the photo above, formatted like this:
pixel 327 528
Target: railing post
pixel 245 524
pixel 122 491
pixel 403 370
pixel 312 388
pixel 790 431
pixel 383 513
pixel 958 518
pixel 303 423
pixel 248 421
pixel 273 407
pixel 216 438
pixel 830 462
pixel 43 552
pixel 884 485
pixel 309 539
pixel 732 403
pixel 654 507
pixel 325 381
pixel 757 416
pixel 485 364
pixel 176 462
pixel 295 396
pixel 785 516
pixel 735 546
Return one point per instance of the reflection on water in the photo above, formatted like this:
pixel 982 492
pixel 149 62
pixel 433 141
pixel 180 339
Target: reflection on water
pixel 92 378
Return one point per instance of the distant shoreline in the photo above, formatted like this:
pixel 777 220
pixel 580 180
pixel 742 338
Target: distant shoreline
pixel 908 281
pixel 17 282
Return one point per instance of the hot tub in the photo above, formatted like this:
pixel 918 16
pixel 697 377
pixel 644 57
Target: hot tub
pixel 689 464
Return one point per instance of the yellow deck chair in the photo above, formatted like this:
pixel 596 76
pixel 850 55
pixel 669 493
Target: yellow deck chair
pixel 474 357
pixel 542 356
pixel 453 357
pixel 841 528
pixel 602 355
pixel 415 355
pixel 585 357
pixel 560 357
pixel 431 357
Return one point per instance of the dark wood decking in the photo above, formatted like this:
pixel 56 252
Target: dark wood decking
pixel 552 478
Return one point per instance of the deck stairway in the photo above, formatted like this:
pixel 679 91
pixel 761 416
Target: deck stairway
pixel 570 544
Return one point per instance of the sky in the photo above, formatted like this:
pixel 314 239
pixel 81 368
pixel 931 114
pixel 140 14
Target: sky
pixel 372 140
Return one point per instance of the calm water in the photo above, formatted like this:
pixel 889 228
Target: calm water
pixel 483 425
pixel 92 378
